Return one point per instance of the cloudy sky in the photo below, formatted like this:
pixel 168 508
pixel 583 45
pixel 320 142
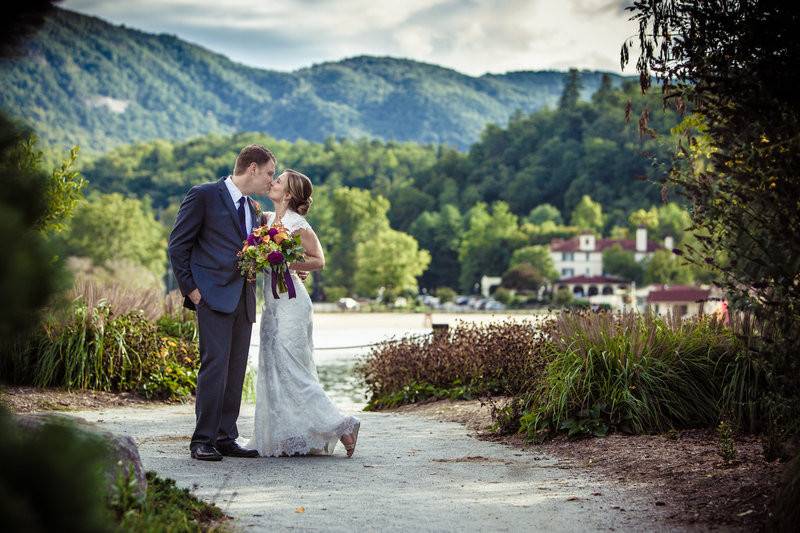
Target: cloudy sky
pixel 472 36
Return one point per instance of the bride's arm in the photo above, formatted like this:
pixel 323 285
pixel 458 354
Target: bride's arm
pixel 315 258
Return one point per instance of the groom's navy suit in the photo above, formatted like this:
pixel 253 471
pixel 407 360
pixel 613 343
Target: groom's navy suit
pixel 202 250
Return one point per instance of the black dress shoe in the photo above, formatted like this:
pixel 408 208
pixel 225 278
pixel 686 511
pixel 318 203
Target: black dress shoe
pixel 206 452
pixel 231 449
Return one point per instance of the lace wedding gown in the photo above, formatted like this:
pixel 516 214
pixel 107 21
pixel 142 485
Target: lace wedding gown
pixel 293 413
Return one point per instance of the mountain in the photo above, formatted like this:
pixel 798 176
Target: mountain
pixel 85 81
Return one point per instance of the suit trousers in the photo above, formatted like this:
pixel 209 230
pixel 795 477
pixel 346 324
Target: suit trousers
pixel 224 345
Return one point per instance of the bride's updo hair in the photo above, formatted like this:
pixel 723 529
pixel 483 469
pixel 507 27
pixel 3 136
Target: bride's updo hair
pixel 300 190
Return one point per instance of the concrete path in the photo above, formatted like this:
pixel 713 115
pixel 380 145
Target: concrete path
pixel 409 474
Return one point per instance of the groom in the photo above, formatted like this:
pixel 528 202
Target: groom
pixel 213 221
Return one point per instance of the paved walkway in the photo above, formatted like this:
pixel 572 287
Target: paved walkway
pixel 409 474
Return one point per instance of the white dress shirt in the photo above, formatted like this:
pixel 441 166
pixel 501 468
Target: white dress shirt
pixel 236 194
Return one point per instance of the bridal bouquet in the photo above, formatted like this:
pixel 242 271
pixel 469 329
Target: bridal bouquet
pixel 271 248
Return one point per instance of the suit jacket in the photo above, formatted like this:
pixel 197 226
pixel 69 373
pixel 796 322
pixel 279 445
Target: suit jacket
pixel 203 247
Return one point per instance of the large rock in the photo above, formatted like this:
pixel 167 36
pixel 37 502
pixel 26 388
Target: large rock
pixel 124 454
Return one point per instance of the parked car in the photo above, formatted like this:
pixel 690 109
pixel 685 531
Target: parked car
pixel 492 305
pixel 348 304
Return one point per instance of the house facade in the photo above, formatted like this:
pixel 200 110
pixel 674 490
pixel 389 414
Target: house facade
pixel 583 255
pixel 684 300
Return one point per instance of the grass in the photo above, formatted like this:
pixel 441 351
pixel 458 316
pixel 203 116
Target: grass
pixel 90 345
pixel 165 508
pixel 644 373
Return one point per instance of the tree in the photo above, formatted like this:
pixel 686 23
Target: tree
pixel 673 221
pixel 28 273
pixel 538 257
pixel 440 232
pixel 109 227
pixel 487 244
pixel 665 267
pixel 523 277
pixel 619 232
pixel 343 218
pixel 543 213
pixel 392 260
pixel 644 218
pixel 588 214
pixel 619 262
pixel 406 204
pixel 734 64
pixel 571 91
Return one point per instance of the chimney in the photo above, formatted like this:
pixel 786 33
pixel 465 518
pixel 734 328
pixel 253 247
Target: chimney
pixel 641 239
pixel 669 242
pixel 586 242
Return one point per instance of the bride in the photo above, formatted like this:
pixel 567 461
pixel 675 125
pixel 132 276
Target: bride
pixel 293 414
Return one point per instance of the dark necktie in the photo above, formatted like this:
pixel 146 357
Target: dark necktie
pixel 242 223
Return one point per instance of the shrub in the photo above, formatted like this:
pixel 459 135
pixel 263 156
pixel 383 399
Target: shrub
pixel 92 348
pixel 504 296
pixel 445 294
pixel 562 297
pixel 472 359
pixel 332 294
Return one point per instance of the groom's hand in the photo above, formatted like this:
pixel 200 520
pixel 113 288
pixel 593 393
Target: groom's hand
pixel 195 297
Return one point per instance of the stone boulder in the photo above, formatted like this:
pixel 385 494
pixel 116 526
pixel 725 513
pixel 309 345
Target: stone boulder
pixel 124 454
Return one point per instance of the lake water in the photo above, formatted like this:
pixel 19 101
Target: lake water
pixel 341 339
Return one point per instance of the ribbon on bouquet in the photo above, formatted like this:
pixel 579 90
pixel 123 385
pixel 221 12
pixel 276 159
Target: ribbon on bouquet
pixel 287 282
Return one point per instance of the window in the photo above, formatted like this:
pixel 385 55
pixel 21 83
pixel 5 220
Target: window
pixel 569 256
pixel 567 272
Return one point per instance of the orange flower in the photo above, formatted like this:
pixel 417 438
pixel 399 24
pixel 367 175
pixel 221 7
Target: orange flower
pixel 280 237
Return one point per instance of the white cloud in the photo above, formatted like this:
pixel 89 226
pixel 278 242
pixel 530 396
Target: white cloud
pixel 472 36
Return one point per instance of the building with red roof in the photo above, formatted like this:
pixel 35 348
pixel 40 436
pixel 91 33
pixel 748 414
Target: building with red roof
pixel 583 255
pixel 683 300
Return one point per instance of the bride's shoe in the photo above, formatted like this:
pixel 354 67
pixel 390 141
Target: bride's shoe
pixel 354 435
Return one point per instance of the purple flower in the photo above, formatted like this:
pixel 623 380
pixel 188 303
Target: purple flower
pixel 275 258
pixel 272 232
pixel 252 240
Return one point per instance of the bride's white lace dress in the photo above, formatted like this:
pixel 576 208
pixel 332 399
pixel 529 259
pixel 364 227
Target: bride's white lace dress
pixel 293 413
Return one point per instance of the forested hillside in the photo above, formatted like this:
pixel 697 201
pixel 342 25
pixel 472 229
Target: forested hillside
pixel 85 81
pixel 441 196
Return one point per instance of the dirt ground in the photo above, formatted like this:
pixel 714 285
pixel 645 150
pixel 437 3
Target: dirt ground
pixel 31 400
pixel 683 470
